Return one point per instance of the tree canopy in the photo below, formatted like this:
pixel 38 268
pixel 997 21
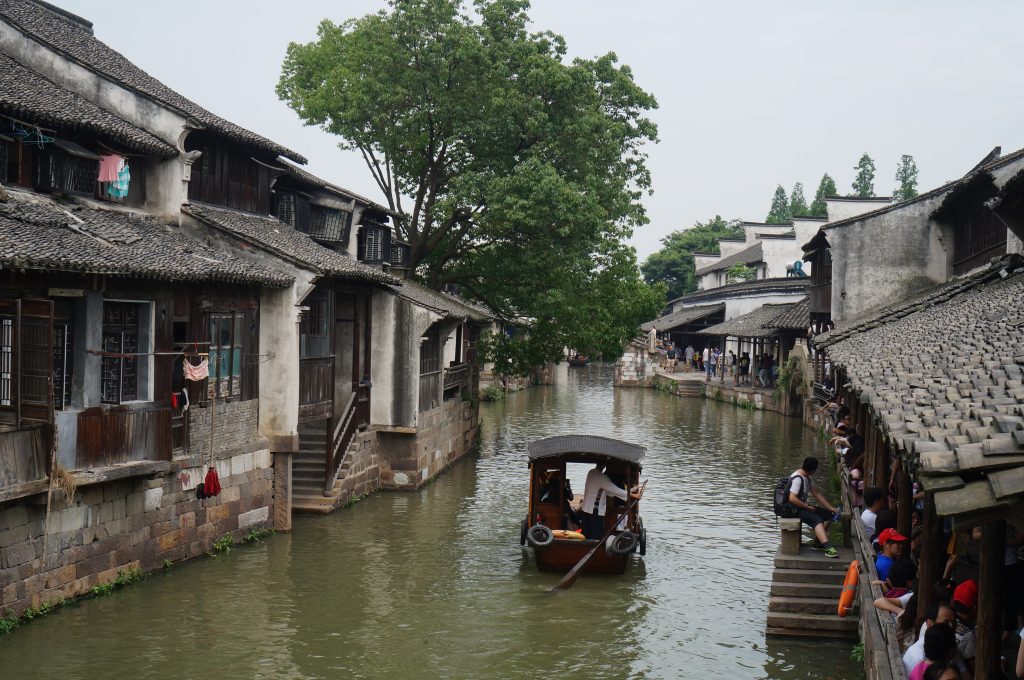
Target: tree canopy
pixel 826 188
pixel 906 177
pixel 779 212
pixel 673 265
pixel 864 182
pixel 514 172
pixel 797 202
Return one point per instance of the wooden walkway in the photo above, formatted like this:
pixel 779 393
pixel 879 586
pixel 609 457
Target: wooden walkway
pixel 805 595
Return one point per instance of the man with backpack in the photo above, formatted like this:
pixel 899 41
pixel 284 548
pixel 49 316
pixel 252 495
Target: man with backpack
pixel 800 488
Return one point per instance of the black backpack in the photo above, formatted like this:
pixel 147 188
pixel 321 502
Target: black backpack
pixel 780 502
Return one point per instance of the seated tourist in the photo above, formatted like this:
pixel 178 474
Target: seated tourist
pixel 939 648
pixel 940 614
pixel 874 502
pixel 892 549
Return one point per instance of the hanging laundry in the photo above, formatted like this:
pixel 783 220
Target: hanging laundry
pixel 211 486
pixel 119 188
pixel 110 165
pixel 196 373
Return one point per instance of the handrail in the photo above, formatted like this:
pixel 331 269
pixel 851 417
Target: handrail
pixel 342 431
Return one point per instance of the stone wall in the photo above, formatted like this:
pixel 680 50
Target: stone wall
pixel 636 367
pixel 744 396
pixel 237 424
pixel 361 469
pixel 132 523
pixel 443 435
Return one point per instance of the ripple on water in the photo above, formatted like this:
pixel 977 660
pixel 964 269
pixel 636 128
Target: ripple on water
pixel 434 583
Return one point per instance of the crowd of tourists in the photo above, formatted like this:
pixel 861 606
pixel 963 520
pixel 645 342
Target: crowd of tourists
pixel 715 363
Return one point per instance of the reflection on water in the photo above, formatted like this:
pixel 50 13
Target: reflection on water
pixel 435 584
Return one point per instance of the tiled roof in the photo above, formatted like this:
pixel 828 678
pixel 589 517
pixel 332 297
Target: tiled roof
pixel 682 317
pixel 746 256
pixel 37 233
pixel 449 305
pixel 273 235
pixel 75 39
pixel 796 317
pixel 304 175
pixel 755 324
pixel 28 95
pixel 945 376
pixel 796 285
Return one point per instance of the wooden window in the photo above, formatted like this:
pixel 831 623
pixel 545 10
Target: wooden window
pixel 314 320
pixel 286 208
pixel 26 360
pixel 226 354
pixel 978 236
pixel 63 362
pixel 399 254
pixel 327 224
pixel 7 360
pixel 227 175
pixel 119 377
pixel 374 243
pixel 430 369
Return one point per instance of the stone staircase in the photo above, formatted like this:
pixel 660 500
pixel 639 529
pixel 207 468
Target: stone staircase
pixel 308 470
pixel 805 596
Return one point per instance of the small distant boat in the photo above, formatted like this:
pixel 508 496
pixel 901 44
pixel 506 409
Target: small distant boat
pixel 579 360
pixel 557 544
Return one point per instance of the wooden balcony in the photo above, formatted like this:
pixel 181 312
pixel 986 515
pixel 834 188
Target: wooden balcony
pixel 23 460
pixel 316 388
pixel 110 436
pixel 456 376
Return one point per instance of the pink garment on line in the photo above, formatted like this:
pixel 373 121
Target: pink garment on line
pixel 195 373
pixel 109 165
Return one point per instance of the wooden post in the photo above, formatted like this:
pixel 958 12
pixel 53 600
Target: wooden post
pixel 989 627
pixel 905 501
pixel 933 556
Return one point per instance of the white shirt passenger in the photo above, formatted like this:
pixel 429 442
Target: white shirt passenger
pixel 599 480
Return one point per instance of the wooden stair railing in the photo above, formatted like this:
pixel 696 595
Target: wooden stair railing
pixel 339 438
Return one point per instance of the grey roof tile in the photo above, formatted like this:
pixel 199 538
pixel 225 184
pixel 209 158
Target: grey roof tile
pixel 449 305
pixel 27 95
pixel 754 253
pixel 65 33
pixel 37 233
pixel 272 235
pixel 682 317
pixel 755 324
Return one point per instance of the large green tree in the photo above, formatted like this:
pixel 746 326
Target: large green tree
pixel 826 188
pixel 673 265
pixel 779 212
pixel 514 172
pixel 906 176
pixel 797 202
pixel 864 182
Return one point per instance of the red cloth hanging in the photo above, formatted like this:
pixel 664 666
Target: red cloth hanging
pixel 211 486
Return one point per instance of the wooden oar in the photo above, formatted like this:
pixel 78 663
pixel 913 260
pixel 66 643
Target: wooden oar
pixel 573 574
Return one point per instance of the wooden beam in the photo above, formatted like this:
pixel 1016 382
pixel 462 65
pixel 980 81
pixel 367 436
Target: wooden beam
pixel 989 627
pixel 933 556
pixel 904 501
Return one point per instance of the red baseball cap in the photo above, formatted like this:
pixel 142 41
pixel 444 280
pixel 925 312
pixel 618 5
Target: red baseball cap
pixel 966 593
pixel 888 535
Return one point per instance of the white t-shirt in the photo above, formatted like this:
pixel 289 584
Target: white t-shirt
pixel 915 652
pixel 868 519
pixel 797 485
pixel 599 480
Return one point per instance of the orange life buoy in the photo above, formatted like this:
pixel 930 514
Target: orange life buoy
pixel 849 589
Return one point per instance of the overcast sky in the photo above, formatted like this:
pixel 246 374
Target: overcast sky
pixel 752 94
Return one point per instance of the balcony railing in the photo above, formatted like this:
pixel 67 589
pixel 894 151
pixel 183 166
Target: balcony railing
pixel 23 459
pixel 316 388
pixel 108 436
pixel 456 376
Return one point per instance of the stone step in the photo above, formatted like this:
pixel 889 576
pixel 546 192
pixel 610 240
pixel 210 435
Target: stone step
pixel 776 631
pixel 817 576
pixel 803 605
pixel 813 559
pixel 791 589
pixel 308 476
pixel 825 623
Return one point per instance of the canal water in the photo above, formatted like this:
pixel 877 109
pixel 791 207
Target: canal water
pixel 434 584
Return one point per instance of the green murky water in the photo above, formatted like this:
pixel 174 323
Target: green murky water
pixel 434 584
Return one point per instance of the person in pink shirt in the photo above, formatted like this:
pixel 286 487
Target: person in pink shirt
pixel 939 646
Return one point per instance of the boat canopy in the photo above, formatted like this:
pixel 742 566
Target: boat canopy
pixel 587 447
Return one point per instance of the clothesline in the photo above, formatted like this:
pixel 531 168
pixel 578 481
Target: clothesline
pixel 128 355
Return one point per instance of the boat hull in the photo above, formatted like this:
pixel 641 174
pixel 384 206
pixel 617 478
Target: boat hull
pixel 563 554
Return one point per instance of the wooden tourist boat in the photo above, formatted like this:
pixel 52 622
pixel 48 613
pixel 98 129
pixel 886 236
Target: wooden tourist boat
pixel 579 360
pixel 549 527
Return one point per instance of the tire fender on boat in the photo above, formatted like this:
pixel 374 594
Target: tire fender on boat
pixel 540 536
pixel 849 593
pixel 623 544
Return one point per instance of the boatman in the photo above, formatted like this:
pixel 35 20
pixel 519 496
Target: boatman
pixel 595 495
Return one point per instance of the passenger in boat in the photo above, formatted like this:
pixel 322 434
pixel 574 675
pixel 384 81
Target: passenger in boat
pixel 595 497
pixel 549 494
